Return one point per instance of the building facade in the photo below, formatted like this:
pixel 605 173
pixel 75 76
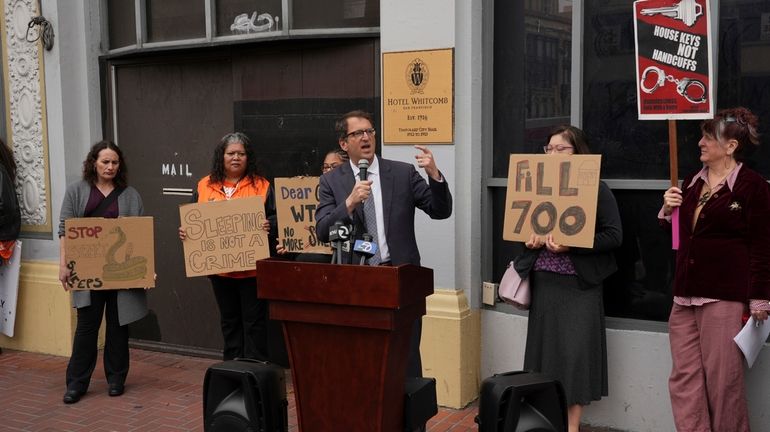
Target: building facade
pixel 166 79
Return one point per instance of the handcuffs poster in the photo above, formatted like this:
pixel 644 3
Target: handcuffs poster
pixel 674 65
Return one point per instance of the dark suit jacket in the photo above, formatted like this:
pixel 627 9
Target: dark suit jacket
pixel 726 256
pixel 592 265
pixel 403 190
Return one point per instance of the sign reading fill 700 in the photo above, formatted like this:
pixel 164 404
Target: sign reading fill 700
pixel 552 194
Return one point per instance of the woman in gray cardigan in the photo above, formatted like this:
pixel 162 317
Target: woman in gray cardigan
pixel 103 192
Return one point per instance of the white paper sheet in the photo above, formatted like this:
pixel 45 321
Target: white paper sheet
pixel 9 291
pixel 751 338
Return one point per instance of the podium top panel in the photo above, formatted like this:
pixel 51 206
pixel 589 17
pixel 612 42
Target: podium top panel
pixel 354 285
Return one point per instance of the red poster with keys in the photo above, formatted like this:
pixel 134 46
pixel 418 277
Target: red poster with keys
pixel 674 64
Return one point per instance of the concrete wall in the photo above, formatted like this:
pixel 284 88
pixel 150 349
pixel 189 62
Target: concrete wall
pixel 44 319
pixel 639 365
pixel 73 104
pixel 450 344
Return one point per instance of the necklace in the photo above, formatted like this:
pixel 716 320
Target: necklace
pixel 703 198
pixel 706 195
pixel 230 190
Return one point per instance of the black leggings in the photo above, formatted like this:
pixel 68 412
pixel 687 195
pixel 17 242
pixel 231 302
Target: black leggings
pixel 243 317
pixel 84 346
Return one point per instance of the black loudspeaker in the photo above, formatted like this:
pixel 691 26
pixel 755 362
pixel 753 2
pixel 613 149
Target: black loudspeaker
pixel 419 402
pixel 521 402
pixel 245 396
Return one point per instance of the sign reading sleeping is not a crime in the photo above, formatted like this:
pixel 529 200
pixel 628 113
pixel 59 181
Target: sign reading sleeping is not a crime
pixel 223 236
pixel 552 194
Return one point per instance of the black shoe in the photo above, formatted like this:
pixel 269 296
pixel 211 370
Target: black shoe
pixel 116 389
pixel 72 396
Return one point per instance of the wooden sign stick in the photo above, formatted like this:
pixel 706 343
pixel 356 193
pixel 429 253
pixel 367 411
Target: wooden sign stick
pixel 673 171
pixel 673 153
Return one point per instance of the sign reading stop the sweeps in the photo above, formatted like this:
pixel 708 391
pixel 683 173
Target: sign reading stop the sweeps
pixel 674 67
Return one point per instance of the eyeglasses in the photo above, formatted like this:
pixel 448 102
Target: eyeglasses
pixel 329 167
pixel 360 133
pixel 557 147
pixel 731 119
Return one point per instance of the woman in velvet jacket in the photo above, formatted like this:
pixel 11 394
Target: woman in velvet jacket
pixel 722 269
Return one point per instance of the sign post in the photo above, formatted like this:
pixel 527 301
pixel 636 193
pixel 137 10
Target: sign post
pixel 674 69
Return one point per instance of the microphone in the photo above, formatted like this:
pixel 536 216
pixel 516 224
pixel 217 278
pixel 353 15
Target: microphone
pixel 363 166
pixel 343 233
pixel 334 239
pixel 366 248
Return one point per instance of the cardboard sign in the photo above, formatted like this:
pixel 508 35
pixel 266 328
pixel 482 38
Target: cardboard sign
pixel 9 291
pixel 552 194
pixel 108 253
pixel 223 236
pixel 674 65
pixel 418 97
pixel 296 202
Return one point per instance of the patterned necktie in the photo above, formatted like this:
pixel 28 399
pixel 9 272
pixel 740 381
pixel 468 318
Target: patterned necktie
pixel 370 214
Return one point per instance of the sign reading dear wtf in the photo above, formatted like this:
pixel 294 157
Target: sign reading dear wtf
pixel 296 203
pixel 223 236
pixel 552 194
pixel 109 253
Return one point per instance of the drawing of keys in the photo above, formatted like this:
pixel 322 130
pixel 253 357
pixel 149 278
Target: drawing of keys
pixel 682 86
pixel 686 11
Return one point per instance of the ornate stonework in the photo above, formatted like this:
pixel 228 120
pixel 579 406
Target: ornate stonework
pixel 25 107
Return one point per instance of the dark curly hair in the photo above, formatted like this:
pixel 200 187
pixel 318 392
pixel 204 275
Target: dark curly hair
pixel 89 165
pixel 217 174
pixel 7 161
pixel 574 136
pixel 736 123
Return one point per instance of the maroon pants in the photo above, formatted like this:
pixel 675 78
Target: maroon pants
pixel 706 383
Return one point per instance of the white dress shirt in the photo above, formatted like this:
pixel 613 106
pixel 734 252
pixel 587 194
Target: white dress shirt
pixel 373 174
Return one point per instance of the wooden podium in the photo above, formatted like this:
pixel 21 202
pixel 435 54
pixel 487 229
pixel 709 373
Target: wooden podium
pixel 347 330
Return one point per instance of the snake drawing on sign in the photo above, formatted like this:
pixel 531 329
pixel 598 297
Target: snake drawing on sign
pixel 130 268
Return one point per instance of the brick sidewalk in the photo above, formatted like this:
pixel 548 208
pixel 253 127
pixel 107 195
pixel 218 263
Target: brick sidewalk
pixel 163 393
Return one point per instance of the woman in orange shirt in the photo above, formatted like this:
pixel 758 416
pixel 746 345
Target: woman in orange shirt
pixel 243 316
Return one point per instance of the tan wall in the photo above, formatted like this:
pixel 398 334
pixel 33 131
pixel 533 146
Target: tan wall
pixel 451 347
pixel 45 322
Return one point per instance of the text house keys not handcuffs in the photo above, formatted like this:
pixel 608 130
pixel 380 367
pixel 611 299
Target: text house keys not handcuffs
pixel 682 86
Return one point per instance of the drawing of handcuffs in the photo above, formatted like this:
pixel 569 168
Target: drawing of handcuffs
pixel 682 86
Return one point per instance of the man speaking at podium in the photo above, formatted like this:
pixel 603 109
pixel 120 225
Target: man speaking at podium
pixel 378 197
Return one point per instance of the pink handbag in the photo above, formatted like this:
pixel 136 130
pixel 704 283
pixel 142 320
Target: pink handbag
pixel 513 289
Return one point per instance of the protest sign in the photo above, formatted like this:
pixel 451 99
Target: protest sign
pixel 552 194
pixel 223 236
pixel 109 253
pixel 9 291
pixel 296 203
pixel 674 65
